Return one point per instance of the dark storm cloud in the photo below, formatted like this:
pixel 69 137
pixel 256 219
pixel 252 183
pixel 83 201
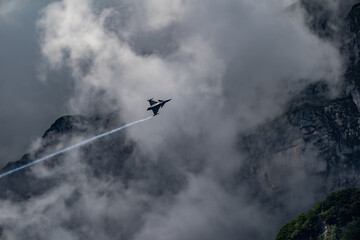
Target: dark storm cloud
pixel 27 106
pixel 228 65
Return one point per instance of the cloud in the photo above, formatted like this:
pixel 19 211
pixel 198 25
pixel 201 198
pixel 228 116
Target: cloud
pixel 287 3
pixel 252 49
pixel 26 104
pixel 228 66
pixel 7 7
pixel 205 210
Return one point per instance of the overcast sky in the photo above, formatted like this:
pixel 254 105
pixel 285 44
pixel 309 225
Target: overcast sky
pixel 27 105
pixel 229 67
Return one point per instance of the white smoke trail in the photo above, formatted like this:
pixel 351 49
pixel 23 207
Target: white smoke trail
pixel 72 147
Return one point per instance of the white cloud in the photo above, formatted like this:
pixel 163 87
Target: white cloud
pixel 287 3
pixel 156 14
pixel 265 49
pixel 228 65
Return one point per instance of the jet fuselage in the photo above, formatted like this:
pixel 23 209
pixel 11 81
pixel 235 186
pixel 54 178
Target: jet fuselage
pixel 155 106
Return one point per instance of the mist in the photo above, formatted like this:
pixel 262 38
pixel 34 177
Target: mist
pixel 26 103
pixel 228 66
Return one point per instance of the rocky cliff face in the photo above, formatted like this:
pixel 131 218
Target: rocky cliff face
pixel 318 136
pixel 322 139
pixel 327 18
pixel 354 19
pixel 312 149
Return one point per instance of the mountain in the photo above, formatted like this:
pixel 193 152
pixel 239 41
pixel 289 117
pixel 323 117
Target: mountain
pixel 336 217
pixel 110 157
pixel 320 132
pixel 22 185
pixel 327 18
pixel 291 162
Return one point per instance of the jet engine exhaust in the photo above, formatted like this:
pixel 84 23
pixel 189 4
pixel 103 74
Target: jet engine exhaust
pixel 72 147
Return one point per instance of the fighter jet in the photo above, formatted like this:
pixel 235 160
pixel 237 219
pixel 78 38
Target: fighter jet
pixel 155 106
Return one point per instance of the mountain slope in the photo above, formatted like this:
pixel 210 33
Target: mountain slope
pixel 310 150
pixel 337 217
pixel 24 184
pixel 318 135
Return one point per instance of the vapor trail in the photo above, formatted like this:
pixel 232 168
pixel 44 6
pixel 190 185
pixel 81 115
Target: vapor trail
pixel 74 146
